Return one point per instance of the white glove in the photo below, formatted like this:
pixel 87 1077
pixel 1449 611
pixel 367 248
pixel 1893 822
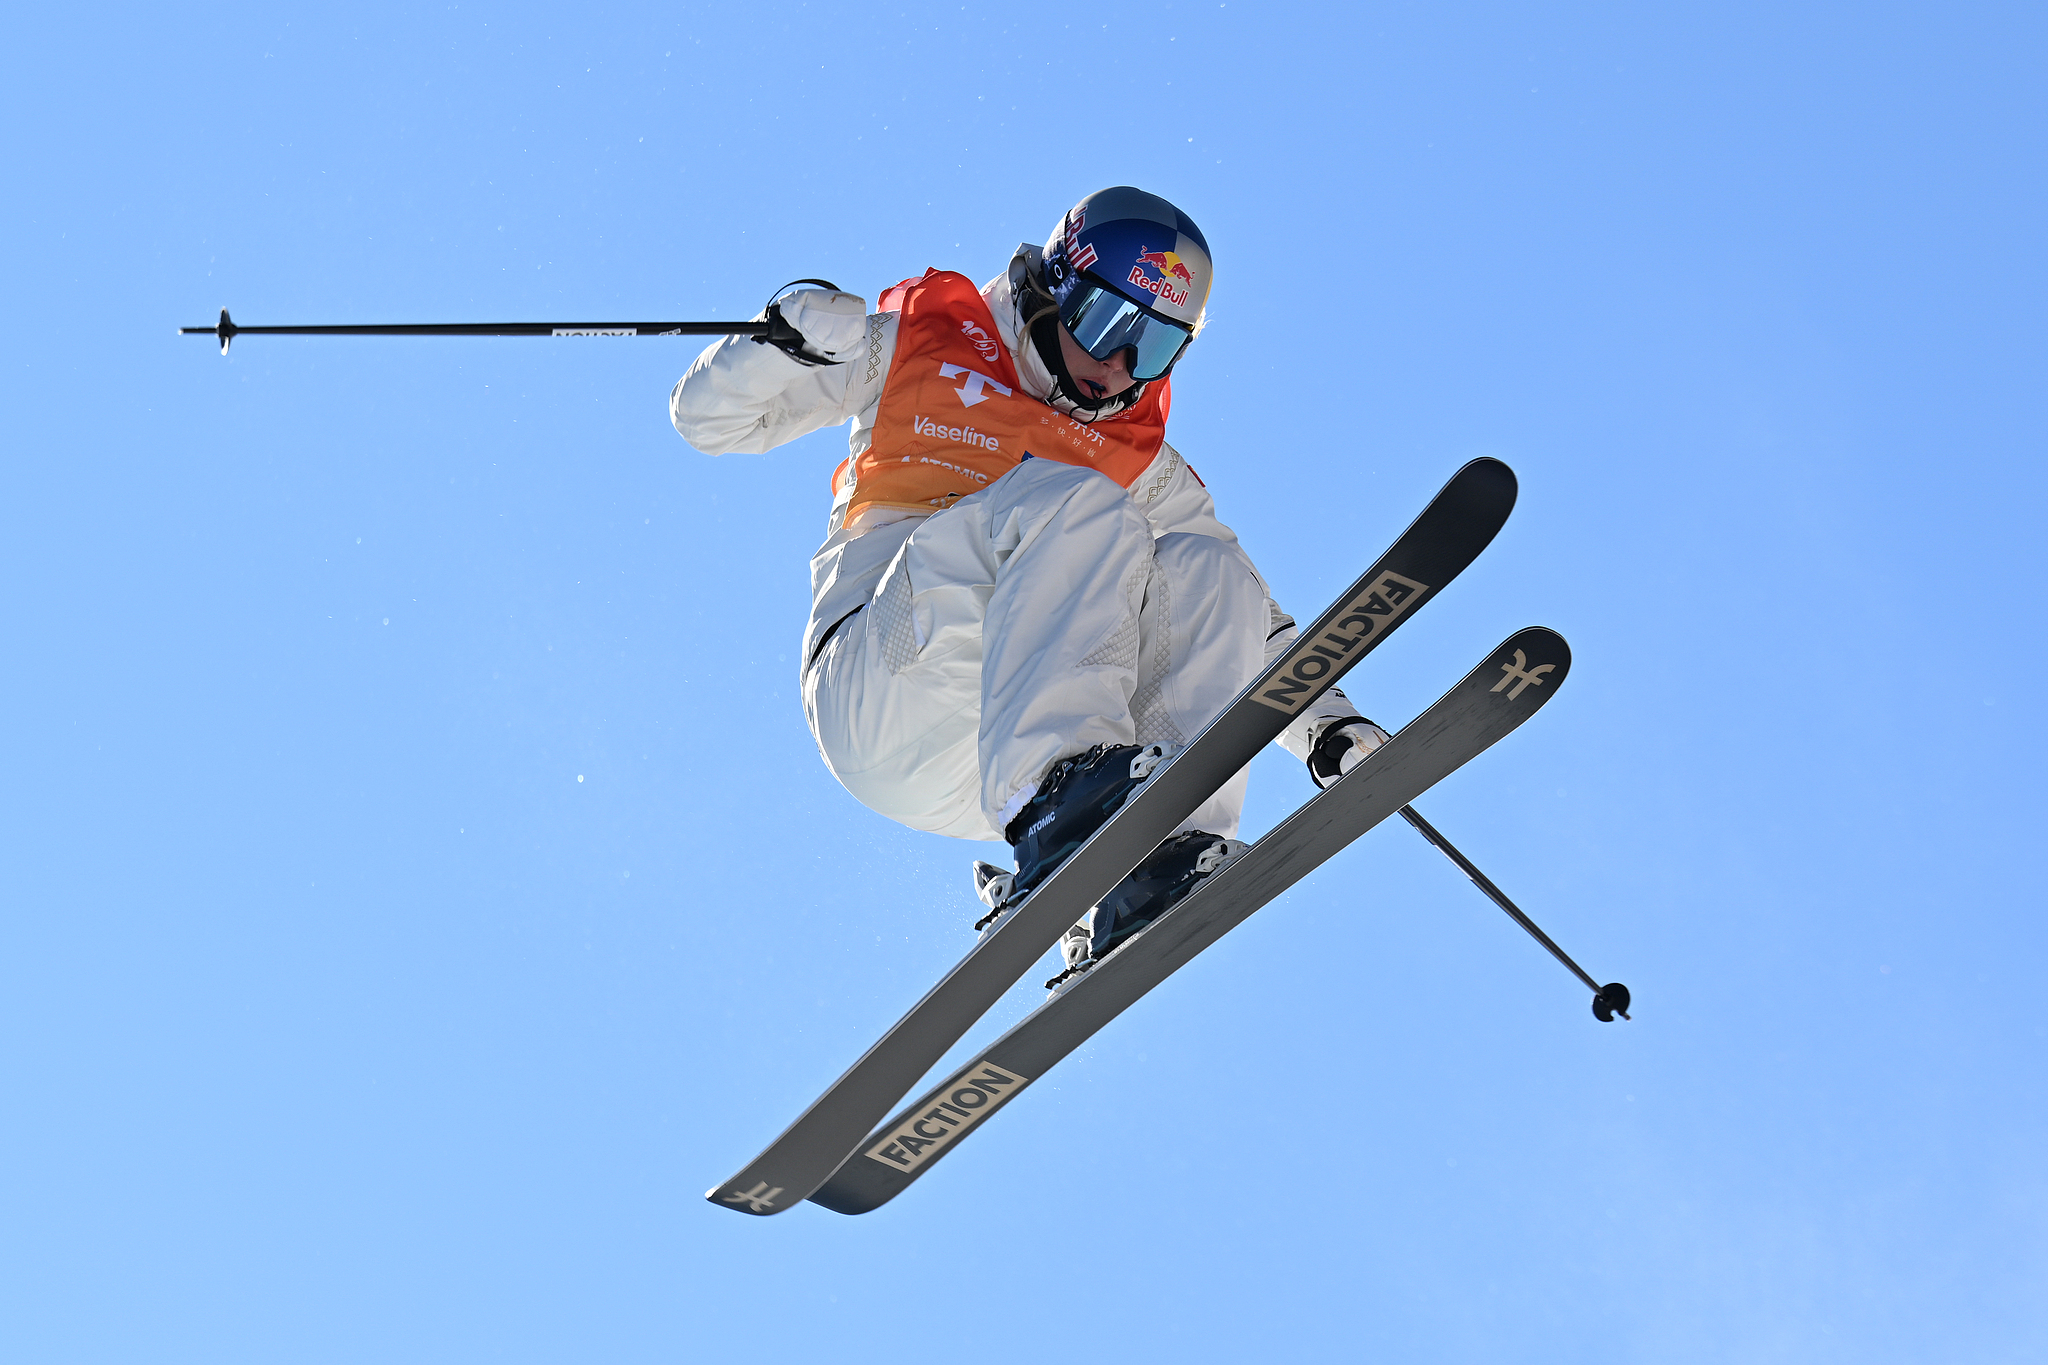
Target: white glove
pixel 1341 748
pixel 833 325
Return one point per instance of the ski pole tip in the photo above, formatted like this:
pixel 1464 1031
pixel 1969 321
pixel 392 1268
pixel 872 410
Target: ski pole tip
pixel 225 329
pixel 1610 1000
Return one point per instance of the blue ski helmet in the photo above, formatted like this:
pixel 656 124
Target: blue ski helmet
pixel 1129 271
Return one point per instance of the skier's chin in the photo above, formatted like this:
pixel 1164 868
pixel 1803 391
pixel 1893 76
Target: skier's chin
pixel 1092 406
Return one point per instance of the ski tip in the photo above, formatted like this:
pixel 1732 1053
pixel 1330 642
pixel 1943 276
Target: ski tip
pixel 1497 475
pixel 1610 1000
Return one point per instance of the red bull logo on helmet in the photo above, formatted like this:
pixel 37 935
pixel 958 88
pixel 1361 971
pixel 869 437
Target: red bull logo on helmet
pixel 1156 271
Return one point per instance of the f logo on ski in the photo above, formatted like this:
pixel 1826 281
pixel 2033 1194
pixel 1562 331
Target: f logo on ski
pixel 1306 671
pixel 981 1091
pixel 760 1199
pixel 1521 675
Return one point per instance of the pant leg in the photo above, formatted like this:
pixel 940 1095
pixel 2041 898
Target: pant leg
pixel 898 723
pixel 1002 638
pixel 1024 624
pixel 1072 558
pixel 1202 641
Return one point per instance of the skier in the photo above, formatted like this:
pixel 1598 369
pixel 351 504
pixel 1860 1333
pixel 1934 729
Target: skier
pixel 1024 600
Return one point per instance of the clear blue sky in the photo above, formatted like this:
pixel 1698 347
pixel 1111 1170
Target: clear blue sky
pixel 418 883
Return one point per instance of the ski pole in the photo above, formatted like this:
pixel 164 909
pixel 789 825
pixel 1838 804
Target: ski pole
pixel 227 329
pixel 773 328
pixel 1608 1000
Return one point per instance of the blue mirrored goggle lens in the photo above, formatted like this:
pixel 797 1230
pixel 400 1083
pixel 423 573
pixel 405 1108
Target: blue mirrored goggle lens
pixel 1105 322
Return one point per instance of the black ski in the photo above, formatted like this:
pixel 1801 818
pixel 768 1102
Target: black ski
pixel 1514 682
pixel 1458 523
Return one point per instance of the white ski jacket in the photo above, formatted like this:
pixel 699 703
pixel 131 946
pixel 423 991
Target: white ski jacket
pixel 742 397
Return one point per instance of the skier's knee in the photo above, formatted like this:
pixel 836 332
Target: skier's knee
pixel 1198 559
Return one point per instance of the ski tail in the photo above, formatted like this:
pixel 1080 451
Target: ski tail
pixel 1510 686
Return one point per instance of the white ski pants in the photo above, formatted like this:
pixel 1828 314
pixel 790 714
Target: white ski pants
pixel 1030 621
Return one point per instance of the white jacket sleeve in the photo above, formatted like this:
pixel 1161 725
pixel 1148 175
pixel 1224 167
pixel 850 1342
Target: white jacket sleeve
pixel 1175 500
pixel 744 397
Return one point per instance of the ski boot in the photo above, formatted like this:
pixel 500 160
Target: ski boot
pixel 1154 887
pixel 1075 798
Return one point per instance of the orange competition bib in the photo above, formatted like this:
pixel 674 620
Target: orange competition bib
pixel 952 421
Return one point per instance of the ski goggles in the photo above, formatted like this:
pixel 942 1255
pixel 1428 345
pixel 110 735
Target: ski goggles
pixel 1105 322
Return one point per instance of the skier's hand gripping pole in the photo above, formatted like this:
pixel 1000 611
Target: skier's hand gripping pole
pixel 1608 1000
